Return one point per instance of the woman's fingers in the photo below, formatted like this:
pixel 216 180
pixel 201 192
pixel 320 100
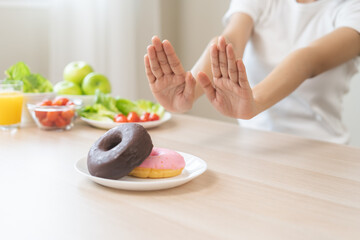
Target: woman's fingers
pixel 163 61
pixel 173 60
pixel 215 66
pixel 207 86
pixel 232 68
pixel 243 81
pixel 190 83
pixel 148 71
pixel 222 57
pixel 154 63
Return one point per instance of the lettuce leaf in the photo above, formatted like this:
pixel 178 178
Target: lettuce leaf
pixel 17 71
pixel 125 106
pixel 106 107
pixel 97 109
pixel 149 106
pixel 106 100
pixel 144 105
pixel 158 109
pixel 32 83
pixel 97 117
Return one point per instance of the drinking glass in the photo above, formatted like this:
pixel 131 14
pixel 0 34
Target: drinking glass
pixel 11 103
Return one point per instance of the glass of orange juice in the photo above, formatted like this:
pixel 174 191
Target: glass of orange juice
pixel 11 102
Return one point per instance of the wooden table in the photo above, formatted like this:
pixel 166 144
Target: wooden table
pixel 258 185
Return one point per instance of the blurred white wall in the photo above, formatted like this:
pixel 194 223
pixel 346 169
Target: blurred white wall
pixel 351 113
pixel 24 34
pixel 188 24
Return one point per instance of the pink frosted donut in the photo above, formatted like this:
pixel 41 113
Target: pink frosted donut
pixel 161 163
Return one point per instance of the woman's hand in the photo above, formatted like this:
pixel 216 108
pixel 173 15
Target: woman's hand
pixel 173 88
pixel 229 92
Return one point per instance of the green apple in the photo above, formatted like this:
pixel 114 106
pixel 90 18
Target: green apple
pixel 67 88
pixel 94 81
pixel 76 71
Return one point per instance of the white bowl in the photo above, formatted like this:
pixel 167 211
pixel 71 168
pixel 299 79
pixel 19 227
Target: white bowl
pixel 85 99
pixel 53 117
pixel 33 98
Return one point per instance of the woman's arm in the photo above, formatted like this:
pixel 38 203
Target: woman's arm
pixel 321 55
pixel 230 93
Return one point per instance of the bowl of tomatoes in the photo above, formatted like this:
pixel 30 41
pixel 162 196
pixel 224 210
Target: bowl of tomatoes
pixel 57 114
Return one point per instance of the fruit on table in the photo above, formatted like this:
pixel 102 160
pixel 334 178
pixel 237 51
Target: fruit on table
pixel 55 118
pixel 120 118
pixel 76 71
pixel 46 103
pixel 67 88
pixel 134 117
pixel 80 79
pixel 145 117
pixel 154 117
pixel 61 101
pixel 94 81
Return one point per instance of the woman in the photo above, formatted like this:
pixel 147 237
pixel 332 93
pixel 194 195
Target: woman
pixel 300 56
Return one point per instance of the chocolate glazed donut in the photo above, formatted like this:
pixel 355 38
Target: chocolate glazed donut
pixel 119 151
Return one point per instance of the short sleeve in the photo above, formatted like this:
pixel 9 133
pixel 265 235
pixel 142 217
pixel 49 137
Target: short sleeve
pixel 349 15
pixel 251 7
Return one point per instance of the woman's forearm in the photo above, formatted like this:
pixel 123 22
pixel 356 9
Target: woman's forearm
pixel 284 79
pixel 321 55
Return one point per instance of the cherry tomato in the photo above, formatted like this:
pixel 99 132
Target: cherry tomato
pixel 120 118
pixel 118 115
pixel 46 103
pixel 40 115
pixel 46 122
pixel 67 121
pixel 154 117
pixel 52 116
pixel 145 117
pixel 60 122
pixel 67 115
pixel 133 117
pixel 60 101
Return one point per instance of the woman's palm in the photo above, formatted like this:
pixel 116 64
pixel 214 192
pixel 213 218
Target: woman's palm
pixel 171 85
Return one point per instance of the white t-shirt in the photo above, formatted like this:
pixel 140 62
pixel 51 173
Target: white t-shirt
pixel 314 109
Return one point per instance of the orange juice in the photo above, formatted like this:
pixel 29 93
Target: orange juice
pixel 10 107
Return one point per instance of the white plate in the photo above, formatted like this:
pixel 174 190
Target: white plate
pixel 109 125
pixel 194 167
